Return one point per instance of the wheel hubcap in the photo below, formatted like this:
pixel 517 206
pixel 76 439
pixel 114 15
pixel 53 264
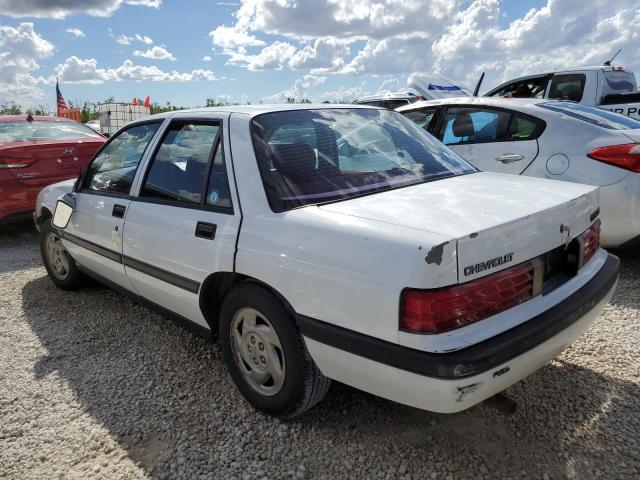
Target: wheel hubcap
pixel 56 256
pixel 257 351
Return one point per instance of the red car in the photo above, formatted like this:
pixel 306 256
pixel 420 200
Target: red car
pixel 38 151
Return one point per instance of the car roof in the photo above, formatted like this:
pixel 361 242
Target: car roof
pixel 39 118
pixel 522 104
pixel 253 110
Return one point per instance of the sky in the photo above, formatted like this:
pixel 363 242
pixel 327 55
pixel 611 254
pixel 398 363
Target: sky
pixel 185 51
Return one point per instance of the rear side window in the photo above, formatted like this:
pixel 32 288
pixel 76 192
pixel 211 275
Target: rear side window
pixel 113 169
pixel 594 116
pixel 179 168
pixel 618 82
pixel 467 125
pixel 567 87
pixel 529 88
pixel 421 117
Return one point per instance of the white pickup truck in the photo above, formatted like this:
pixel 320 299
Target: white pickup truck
pixel 611 88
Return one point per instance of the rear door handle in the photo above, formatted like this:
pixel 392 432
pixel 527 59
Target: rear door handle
pixel 206 230
pixel 509 157
pixel 118 211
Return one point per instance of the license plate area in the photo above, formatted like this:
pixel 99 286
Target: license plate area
pixel 560 265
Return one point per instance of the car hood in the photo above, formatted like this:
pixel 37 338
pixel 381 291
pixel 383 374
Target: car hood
pixel 489 215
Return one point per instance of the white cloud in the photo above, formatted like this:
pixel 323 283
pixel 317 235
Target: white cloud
pixel 156 52
pixel 298 91
pixel 20 49
pixel 234 39
pixel 344 94
pixel 455 38
pixel 76 32
pixel 126 40
pixel 390 85
pixel 63 8
pixel 206 58
pixel 325 52
pixel 86 71
pixel 271 57
pixel 145 3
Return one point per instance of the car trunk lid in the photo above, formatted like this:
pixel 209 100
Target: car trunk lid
pixel 497 220
pixel 45 162
pixel 633 134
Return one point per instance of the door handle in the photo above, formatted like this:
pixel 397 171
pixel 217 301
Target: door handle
pixel 118 211
pixel 509 157
pixel 206 230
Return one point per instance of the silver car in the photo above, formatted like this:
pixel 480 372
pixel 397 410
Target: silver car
pixel 549 139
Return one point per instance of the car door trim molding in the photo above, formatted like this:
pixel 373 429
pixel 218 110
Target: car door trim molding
pixel 93 247
pixel 158 273
pixel 168 277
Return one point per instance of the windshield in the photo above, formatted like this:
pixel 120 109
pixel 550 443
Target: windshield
pixel 43 130
pixel 314 156
pixel 595 116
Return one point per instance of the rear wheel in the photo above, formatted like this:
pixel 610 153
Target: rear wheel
pixel 266 355
pixel 61 267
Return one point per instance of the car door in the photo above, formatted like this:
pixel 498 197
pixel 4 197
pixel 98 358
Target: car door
pixel 94 234
pixel 491 139
pixel 183 223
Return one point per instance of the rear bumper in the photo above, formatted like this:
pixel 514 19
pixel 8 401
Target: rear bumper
pixel 450 382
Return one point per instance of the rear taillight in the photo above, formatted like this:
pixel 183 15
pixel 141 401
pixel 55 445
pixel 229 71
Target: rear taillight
pixel 420 98
pixel 590 241
pixel 7 162
pixel 437 311
pixel 623 156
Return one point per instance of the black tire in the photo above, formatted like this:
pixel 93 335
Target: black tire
pixel 74 279
pixel 303 385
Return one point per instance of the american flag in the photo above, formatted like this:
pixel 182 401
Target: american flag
pixel 62 105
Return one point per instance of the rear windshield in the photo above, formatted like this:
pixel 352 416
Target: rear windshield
pixel 592 115
pixel 314 156
pixel 618 82
pixel 43 130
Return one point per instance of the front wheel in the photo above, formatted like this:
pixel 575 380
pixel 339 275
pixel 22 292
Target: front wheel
pixel 266 355
pixel 61 267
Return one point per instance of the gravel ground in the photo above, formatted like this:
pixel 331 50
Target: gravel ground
pixel 95 386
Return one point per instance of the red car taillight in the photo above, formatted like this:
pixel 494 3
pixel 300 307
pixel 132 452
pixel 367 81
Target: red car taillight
pixel 590 240
pixel 623 156
pixel 437 311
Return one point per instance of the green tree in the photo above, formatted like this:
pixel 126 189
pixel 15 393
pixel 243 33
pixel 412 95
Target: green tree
pixel 10 108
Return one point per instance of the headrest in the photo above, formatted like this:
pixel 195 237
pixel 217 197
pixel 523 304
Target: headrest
pixel 463 125
pixel 295 160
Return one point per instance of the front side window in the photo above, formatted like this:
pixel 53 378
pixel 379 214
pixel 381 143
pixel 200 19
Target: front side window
pixel 179 168
pixel 595 116
pixel 313 156
pixel 529 88
pixel 44 130
pixel 421 117
pixel 567 86
pixel 113 169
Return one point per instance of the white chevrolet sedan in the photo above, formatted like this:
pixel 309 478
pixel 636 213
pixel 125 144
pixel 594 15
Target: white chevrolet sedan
pixel 334 242
pixel 547 139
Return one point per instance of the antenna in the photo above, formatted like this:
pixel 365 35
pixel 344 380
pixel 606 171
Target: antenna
pixel 608 62
pixel 477 89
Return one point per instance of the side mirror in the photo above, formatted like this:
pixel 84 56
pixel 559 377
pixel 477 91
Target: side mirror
pixel 64 209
